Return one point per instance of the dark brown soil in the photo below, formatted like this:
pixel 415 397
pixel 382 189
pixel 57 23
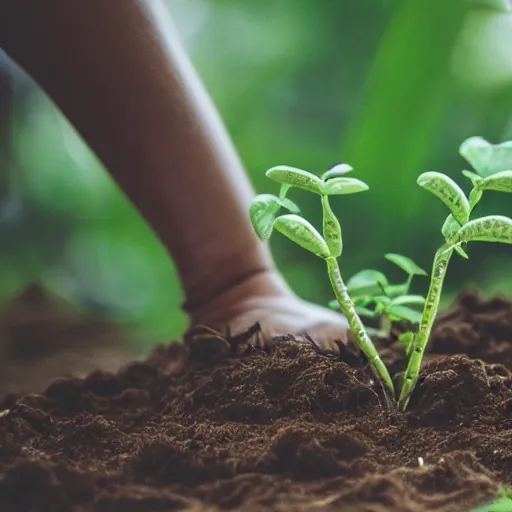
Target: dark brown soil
pixel 289 430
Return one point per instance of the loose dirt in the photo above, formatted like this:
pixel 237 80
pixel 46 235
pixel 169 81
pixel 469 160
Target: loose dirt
pixel 287 430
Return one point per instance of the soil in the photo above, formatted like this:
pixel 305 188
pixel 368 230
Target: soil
pixel 285 430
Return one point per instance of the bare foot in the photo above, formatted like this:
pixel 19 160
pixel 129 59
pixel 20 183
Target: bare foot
pixel 265 299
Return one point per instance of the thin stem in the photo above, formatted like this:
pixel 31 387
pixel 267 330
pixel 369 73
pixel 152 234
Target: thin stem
pixel 408 284
pixel 331 228
pixel 362 339
pixel 417 350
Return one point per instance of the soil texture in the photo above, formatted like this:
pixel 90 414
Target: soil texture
pixel 285 430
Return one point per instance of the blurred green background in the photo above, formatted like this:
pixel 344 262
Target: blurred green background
pixel 391 87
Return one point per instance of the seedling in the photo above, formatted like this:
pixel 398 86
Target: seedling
pixel 491 164
pixel 375 298
pixel 328 245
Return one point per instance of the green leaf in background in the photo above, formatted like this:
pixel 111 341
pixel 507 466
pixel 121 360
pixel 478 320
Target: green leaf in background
pixel 301 232
pixel 406 264
pixel 337 171
pixel 403 313
pixel 296 178
pixel 496 5
pixel 365 312
pixel 367 282
pixel 487 158
pixel 408 300
pixel 340 186
pixel 493 228
pixel 449 192
pixel 499 182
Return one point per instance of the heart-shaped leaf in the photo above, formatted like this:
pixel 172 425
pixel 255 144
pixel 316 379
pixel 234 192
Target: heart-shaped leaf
pixel 296 178
pixel 337 171
pixel 449 192
pixel 263 213
pixel 493 228
pixel 339 186
pixel 301 232
pixel 367 282
pixel 500 182
pixel 487 158
pixel 406 264
pixel 408 300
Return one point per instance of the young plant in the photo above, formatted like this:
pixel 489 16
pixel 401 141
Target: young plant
pixel 491 163
pixel 328 245
pixel 375 298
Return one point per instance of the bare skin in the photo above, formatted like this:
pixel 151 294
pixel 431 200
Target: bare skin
pixel 121 76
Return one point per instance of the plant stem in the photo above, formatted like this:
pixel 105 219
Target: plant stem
pixel 362 339
pixel 331 228
pixel 440 265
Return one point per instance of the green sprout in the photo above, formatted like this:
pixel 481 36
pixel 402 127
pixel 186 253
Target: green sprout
pixel 491 163
pixel 375 298
pixel 328 245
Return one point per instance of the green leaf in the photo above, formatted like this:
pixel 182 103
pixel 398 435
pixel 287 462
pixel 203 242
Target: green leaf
pixel 500 182
pixel 394 290
pixel 475 178
pixel 487 158
pixel 449 192
pixel 367 282
pixel 301 232
pixel 406 264
pixel 461 252
pixel 494 228
pixel 337 171
pixel 408 300
pixel 407 338
pixel 289 205
pixel 263 213
pixel 296 178
pixel 404 313
pixel 365 312
pixel 339 186
pixel 496 5
pixel 450 227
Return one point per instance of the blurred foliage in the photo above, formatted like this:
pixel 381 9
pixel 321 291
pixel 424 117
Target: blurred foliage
pixel 390 86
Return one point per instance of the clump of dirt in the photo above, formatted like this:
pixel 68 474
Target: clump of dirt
pixel 282 430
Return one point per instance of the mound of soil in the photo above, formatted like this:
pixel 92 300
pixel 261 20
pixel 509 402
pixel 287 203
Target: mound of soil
pixel 284 430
